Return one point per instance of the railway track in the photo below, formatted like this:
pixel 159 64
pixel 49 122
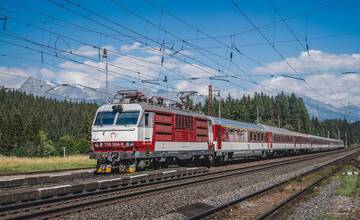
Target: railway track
pixel 49 179
pixel 60 205
pixel 214 211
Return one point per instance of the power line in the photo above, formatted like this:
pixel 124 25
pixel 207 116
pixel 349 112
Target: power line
pixel 273 46
pixel 218 41
pixel 87 44
pixel 306 48
pixel 64 36
pixel 322 37
pixel 75 61
pixel 303 13
pixel 130 30
pixel 195 47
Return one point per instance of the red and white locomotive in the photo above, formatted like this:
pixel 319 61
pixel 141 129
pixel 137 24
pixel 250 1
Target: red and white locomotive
pixel 134 131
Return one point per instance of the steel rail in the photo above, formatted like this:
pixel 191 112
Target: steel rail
pixel 216 209
pixel 33 181
pixel 198 179
pixel 242 170
pixel 296 195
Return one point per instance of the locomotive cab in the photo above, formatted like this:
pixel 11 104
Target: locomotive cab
pixel 120 131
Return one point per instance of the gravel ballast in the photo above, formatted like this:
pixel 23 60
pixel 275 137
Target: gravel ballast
pixel 316 206
pixel 159 205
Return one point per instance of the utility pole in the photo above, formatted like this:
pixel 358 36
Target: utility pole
pixel 338 134
pixel 345 138
pixel 210 101
pixel 105 56
pixel 219 105
pixel 279 123
pixel 328 134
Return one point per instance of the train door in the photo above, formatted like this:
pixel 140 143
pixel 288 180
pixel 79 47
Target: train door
pixel 146 125
pixel 219 132
pixel 210 136
pixel 269 140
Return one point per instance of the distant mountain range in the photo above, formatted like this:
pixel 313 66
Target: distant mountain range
pixel 81 93
pixel 61 92
pixel 326 111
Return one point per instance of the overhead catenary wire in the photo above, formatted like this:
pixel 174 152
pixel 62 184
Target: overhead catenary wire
pixel 114 74
pixel 231 47
pixel 52 32
pixel 305 47
pixel 130 37
pixel 252 29
pixel 93 45
pixel 56 50
pixel 275 49
pixel 113 51
pixel 195 47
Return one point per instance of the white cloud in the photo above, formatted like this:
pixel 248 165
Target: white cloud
pixel 335 89
pixel 188 86
pixel 318 60
pixel 89 51
pixel 146 65
pixel 134 46
pixel 328 88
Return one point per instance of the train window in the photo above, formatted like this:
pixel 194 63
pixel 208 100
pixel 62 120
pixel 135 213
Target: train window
pixel 146 119
pixel 255 137
pixel 105 118
pixel 127 118
pixel 242 135
pixel 231 132
pixel 251 136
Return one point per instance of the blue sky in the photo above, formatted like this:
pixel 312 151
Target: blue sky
pixel 331 28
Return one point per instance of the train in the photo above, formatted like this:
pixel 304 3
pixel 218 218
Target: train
pixel 133 132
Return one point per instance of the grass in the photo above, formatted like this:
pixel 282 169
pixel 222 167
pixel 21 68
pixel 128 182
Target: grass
pixel 328 217
pixel 348 185
pixel 13 165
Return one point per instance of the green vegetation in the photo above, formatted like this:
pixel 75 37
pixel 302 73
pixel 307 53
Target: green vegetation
pixel 328 217
pixel 35 126
pixel 286 111
pixel 349 185
pixel 25 164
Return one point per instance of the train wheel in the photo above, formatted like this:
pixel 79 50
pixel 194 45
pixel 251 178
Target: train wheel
pixel 123 168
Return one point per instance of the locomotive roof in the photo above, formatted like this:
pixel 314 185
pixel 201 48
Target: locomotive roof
pixel 280 130
pixel 261 127
pixel 232 123
pixel 146 106
pixel 170 109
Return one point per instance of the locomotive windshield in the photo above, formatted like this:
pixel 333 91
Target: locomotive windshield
pixel 127 118
pixel 123 118
pixel 105 118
